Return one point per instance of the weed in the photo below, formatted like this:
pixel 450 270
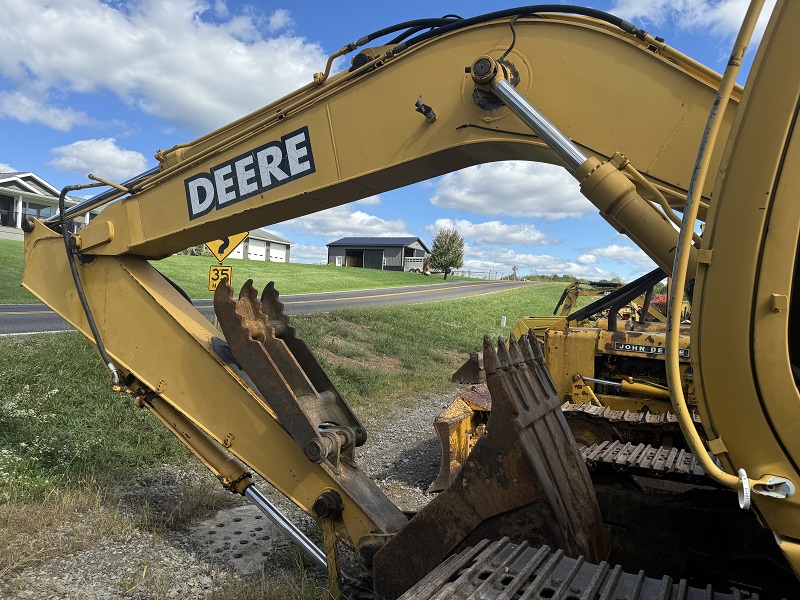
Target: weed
pixel 294 584
pixel 64 522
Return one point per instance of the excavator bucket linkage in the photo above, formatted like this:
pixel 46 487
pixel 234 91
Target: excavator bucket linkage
pixel 524 478
pixel 285 372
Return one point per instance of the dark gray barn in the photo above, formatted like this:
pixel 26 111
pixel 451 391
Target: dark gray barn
pixel 388 253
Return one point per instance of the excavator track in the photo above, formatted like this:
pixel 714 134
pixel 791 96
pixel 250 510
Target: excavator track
pixel 502 569
pixel 672 464
pixel 592 424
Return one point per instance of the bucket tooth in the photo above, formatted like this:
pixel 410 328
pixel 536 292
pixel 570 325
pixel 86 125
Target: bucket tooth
pixel 515 351
pixel 527 351
pixel 503 357
pixel 490 362
pixel 524 479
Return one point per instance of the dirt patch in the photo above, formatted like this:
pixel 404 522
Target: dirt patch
pixel 384 364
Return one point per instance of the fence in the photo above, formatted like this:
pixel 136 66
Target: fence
pixel 484 274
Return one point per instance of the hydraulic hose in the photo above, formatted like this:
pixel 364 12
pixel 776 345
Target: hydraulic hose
pixel 626 26
pixel 679 270
pixel 116 375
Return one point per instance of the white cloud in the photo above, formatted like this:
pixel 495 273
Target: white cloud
pixel 492 232
pixel 278 20
pixel 505 259
pixel 221 9
pixel 517 188
pixel 720 17
pixel 186 60
pixel 370 201
pixel 342 221
pixel 28 108
pixel 624 255
pixel 587 259
pixel 309 254
pixel 100 157
pixel 6 168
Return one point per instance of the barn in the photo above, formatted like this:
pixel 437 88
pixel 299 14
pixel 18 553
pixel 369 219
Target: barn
pixel 387 253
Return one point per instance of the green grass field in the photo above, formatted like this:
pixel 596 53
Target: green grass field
pixel 67 442
pixel 60 424
pixel 191 274
pixel 12 262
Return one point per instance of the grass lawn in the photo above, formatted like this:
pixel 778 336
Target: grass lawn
pixel 191 274
pixel 67 442
pixel 60 424
pixel 12 262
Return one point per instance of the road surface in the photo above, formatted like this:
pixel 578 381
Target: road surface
pixel 17 319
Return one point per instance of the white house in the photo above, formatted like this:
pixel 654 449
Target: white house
pixel 262 245
pixel 28 195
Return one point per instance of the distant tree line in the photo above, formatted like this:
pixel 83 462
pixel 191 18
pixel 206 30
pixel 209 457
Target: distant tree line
pixel 568 278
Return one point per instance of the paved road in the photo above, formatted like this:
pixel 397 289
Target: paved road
pixel 36 318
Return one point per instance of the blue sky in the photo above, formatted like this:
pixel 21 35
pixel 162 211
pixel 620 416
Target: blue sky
pixel 97 87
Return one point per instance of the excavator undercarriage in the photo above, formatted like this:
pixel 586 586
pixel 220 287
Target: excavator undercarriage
pixel 525 484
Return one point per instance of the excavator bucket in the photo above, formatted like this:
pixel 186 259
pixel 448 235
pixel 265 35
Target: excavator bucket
pixel 285 371
pixel 524 479
pixel 461 424
pixel 471 371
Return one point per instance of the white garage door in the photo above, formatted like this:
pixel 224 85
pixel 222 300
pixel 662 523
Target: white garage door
pixel 277 252
pixel 257 250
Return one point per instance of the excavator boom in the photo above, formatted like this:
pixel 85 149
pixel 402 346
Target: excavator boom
pixel 463 93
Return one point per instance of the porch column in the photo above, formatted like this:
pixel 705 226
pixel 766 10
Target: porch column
pixel 18 210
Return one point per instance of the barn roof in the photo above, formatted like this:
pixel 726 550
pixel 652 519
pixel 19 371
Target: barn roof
pixel 378 242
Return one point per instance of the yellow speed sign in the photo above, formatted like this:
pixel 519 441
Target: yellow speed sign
pixel 216 273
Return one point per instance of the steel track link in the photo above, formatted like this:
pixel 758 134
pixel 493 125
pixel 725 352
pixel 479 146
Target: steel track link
pixel 624 425
pixel 662 462
pixel 503 570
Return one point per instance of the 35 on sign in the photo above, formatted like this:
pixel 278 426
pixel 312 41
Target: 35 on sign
pixel 251 173
pixel 216 273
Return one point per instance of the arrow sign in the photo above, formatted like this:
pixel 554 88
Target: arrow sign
pixel 223 247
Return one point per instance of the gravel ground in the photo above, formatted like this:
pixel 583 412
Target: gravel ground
pixel 170 557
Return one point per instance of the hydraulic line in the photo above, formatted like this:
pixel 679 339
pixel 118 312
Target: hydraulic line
pixel 660 200
pixel 116 375
pixel 626 26
pixel 679 270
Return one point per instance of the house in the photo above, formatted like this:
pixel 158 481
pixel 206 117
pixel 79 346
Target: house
pixel 262 245
pixel 387 253
pixel 25 195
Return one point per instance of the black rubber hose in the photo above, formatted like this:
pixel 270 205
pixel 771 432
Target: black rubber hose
pixel 417 23
pixel 626 26
pixel 414 30
pixel 116 376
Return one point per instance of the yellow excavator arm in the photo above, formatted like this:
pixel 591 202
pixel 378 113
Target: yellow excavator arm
pixel 426 105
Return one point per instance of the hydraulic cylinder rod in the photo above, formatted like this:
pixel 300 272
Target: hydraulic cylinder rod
pixel 603 183
pixel 291 530
pixel 549 133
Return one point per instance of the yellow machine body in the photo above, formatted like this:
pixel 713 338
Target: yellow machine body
pixel 357 133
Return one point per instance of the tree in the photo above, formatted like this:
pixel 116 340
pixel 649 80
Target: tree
pixel 447 252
